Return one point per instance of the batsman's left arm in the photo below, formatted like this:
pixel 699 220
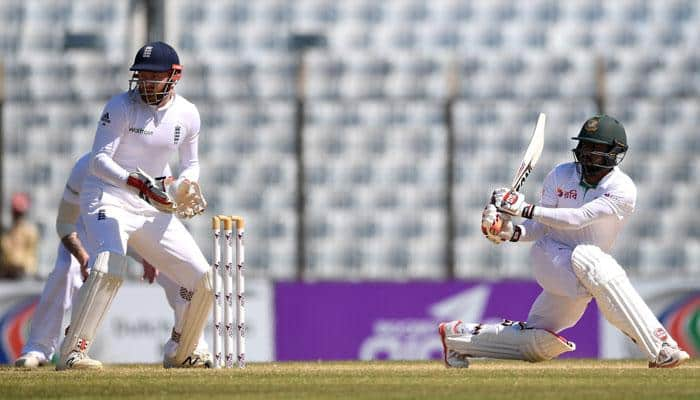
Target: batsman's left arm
pixel 575 218
pixel 565 218
pixel 618 202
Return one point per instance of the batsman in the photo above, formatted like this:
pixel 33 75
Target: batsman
pixel 583 207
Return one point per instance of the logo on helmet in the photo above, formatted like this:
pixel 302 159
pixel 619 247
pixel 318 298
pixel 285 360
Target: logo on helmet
pixel 147 51
pixel 591 125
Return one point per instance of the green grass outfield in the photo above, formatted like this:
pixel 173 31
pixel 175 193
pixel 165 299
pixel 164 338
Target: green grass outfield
pixel 503 380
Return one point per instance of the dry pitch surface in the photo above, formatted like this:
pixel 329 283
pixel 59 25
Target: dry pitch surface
pixel 561 379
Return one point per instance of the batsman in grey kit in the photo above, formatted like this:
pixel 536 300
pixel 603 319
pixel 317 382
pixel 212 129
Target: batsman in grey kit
pixel 583 207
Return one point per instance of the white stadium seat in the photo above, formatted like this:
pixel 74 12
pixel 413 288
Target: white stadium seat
pixel 375 133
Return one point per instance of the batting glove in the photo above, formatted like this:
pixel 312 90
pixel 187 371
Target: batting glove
pixel 513 203
pixel 498 228
pixel 497 195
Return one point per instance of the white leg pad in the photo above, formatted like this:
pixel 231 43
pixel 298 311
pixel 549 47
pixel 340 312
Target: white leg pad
pixel 93 301
pixel 508 340
pixel 618 300
pixel 195 318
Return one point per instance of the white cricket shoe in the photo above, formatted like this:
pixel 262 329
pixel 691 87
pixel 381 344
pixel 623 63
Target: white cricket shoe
pixel 77 360
pixel 200 357
pixel 31 360
pixel 669 357
pixel 452 358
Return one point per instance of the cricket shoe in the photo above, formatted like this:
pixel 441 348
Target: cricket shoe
pixel 78 360
pixel 198 359
pixel 669 357
pixel 452 358
pixel 31 360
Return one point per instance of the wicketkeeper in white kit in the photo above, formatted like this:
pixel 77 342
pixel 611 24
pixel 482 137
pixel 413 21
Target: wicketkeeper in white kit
pixel 70 270
pixel 583 207
pixel 137 134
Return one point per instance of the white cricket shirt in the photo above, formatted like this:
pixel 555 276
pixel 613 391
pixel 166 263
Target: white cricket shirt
pixel 132 135
pixel 572 214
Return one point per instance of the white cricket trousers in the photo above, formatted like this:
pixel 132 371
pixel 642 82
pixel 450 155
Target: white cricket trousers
pixel 158 237
pixel 56 298
pixel 563 299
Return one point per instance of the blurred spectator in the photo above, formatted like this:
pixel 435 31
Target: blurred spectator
pixel 19 243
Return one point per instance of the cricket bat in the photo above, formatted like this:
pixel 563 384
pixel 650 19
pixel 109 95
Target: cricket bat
pixel 532 154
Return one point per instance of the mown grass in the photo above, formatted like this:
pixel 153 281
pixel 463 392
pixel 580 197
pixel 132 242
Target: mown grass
pixel 560 379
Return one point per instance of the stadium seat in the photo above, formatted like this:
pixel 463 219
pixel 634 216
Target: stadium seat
pixel 365 76
pixel 375 135
pixel 349 36
pixel 476 258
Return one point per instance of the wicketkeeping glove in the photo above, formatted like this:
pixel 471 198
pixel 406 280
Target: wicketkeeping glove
pixel 152 190
pixel 189 199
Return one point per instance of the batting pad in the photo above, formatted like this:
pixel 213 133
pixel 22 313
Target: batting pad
pixel 92 302
pixel 195 317
pixel 618 300
pixel 507 341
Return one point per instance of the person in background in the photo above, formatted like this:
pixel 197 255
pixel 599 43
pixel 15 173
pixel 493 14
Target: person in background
pixel 19 243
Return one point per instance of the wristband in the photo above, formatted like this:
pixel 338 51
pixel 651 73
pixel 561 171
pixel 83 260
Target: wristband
pixel 516 233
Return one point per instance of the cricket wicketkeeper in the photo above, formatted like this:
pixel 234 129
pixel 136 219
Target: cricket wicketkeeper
pixel 137 134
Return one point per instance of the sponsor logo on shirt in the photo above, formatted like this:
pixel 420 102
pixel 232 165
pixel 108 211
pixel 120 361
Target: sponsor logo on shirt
pixel 613 196
pixel 569 194
pixel 104 120
pixel 101 215
pixel 140 131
